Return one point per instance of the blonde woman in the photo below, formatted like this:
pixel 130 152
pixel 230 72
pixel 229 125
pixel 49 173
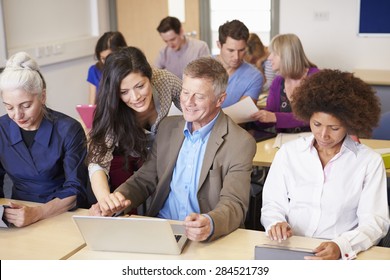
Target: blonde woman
pixel 290 61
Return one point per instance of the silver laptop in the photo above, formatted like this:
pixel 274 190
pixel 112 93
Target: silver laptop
pixel 135 235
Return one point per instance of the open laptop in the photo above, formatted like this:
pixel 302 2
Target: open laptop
pixel 278 252
pixel 86 113
pixel 135 235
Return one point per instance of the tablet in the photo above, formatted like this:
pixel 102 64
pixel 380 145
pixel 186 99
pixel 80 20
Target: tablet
pixel 261 135
pixel 278 252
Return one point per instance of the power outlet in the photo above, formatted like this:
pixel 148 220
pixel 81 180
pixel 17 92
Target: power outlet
pixel 321 16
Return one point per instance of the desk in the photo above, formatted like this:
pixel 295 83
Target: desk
pixel 266 152
pixel 239 245
pixel 50 239
pixel 374 77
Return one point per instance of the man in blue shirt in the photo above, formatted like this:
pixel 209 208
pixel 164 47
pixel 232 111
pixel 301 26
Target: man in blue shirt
pixel 199 167
pixel 244 78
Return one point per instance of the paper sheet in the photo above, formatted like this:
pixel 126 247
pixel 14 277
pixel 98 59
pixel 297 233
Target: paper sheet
pixel 283 138
pixel 383 151
pixel 240 112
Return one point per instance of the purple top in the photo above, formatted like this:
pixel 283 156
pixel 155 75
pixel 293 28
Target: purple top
pixel 283 119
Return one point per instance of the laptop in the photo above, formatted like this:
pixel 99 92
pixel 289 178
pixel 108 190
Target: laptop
pixel 86 113
pixel 134 235
pixel 278 252
pixel 261 135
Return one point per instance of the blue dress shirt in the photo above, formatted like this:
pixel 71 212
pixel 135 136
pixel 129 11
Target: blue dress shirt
pixel 54 165
pixel 182 199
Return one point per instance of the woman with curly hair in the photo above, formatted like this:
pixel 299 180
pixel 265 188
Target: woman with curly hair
pixel 327 185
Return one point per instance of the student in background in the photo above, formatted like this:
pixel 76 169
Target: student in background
pixel 134 100
pixel 107 43
pixel 41 150
pixel 199 168
pixel 179 49
pixel 244 78
pixel 257 54
pixel 327 185
pixel 290 61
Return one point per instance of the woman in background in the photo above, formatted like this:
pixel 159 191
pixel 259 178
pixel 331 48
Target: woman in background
pixel 327 185
pixel 257 54
pixel 107 43
pixel 289 60
pixel 41 150
pixel 133 99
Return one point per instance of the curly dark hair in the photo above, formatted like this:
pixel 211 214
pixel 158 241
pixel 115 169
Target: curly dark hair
pixel 341 95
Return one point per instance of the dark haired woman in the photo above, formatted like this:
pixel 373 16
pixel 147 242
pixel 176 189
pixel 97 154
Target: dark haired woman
pixel 133 98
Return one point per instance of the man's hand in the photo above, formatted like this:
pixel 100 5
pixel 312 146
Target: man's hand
pixel 198 227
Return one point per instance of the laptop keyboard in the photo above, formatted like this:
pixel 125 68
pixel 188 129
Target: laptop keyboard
pixel 178 237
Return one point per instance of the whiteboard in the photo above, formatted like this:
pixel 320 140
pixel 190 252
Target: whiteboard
pixel 53 31
pixel 374 18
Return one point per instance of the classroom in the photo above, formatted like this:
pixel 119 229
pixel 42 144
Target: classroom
pixel 61 36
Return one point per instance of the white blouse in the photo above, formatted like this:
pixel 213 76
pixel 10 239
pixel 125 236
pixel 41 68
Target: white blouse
pixel 346 201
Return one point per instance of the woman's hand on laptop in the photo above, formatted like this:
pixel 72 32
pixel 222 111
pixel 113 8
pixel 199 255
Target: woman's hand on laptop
pixel 109 205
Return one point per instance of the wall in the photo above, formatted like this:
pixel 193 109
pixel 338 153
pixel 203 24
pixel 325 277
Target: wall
pixel 328 30
pixel 66 72
pixel 138 20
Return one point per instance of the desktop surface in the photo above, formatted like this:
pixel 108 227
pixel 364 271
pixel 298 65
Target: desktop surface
pixel 266 151
pixel 50 239
pixel 239 245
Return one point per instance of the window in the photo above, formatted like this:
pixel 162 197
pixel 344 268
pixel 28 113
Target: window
pixel 255 14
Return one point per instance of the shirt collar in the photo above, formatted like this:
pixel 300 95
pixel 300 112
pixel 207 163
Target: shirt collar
pixel 348 144
pixel 42 137
pixel 202 132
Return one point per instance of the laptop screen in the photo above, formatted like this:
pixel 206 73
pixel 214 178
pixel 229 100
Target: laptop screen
pixel 86 113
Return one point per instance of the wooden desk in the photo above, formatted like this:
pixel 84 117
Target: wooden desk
pixel 374 77
pixel 50 239
pixel 239 245
pixel 266 152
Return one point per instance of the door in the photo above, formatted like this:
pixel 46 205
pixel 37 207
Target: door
pixel 138 20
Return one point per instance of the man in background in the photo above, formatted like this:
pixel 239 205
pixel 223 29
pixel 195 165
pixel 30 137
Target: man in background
pixel 244 79
pixel 179 49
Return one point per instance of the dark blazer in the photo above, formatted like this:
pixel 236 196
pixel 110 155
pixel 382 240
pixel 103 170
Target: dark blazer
pixel 224 183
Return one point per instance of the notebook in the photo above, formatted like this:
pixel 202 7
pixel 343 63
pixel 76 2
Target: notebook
pixel 261 135
pixel 135 235
pixel 277 252
pixel 86 113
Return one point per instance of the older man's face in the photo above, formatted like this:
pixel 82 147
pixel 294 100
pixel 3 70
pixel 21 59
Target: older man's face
pixel 199 102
